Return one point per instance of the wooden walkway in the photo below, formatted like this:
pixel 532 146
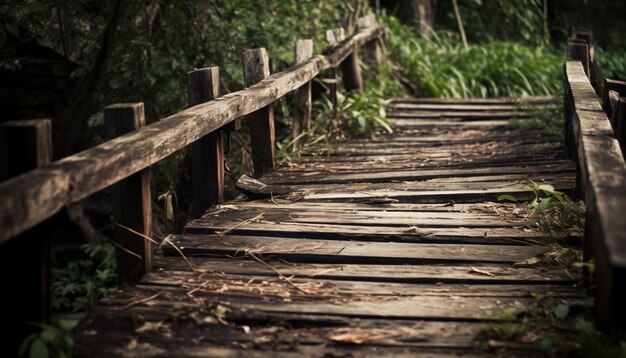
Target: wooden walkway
pixel 395 245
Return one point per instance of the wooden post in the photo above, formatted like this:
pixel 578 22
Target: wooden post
pixel 24 261
pixel 372 51
pixel 578 50
pixel 256 67
pixel 568 111
pixel 207 153
pixel 333 37
pixel 611 85
pixel 132 206
pixel 302 96
pixel 351 72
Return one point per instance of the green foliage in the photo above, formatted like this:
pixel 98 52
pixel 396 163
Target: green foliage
pixel 442 67
pixel 612 63
pixel 554 211
pixel 559 329
pixel 81 283
pixel 483 20
pixel 53 340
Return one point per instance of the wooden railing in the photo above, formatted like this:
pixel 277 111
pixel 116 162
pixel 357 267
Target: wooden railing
pixel 31 197
pixel 591 136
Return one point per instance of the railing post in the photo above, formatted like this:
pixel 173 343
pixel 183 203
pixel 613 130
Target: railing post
pixel 256 67
pixel 207 153
pixel 302 96
pixel 333 37
pixel 620 124
pixel 132 206
pixel 24 261
pixel 611 85
pixel 351 72
pixel 578 50
pixel 372 51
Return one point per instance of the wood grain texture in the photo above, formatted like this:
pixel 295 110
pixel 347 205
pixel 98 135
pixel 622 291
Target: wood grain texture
pixel 302 103
pixel 207 153
pixel 131 201
pixel 256 67
pixel 603 176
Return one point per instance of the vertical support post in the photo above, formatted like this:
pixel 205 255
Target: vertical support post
pixel 24 261
pixel 351 72
pixel 577 50
pixel 256 67
pixel 132 206
pixel 611 85
pixel 302 96
pixel 568 109
pixel 333 37
pixel 372 51
pixel 207 153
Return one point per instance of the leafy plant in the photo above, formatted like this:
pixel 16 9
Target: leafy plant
pixel 555 212
pixel 559 329
pixel 442 67
pixel 53 340
pixel 81 283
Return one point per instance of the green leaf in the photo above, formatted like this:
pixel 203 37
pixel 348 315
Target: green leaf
pixel 48 335
pixel 25 344
pixel 561 311
pixel 68 324
pixel 584 326
pixel 547 345
pixel 507 197
pixel 38 349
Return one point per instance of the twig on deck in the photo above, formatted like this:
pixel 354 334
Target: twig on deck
pixel 253 256
pixel 245 222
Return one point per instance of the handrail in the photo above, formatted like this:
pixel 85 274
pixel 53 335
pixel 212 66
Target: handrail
pixel 603 181
pixel 31 198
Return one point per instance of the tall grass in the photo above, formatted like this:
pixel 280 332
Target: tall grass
pixel 442 67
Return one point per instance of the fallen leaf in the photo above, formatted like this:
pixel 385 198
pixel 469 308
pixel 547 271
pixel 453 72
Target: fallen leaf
pixel 531 261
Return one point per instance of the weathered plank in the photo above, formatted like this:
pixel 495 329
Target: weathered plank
pixel 304 250
pixel 413 274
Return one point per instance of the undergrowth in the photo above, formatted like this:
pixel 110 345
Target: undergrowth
pixel 442 67
pixel 559 327
pixel 79 284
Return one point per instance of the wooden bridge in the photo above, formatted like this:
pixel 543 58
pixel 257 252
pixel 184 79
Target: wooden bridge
pixel 396 245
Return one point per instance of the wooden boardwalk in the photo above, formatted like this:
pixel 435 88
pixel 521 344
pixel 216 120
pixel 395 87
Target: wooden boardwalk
pixel 388 246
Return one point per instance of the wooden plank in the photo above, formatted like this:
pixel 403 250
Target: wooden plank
pixel 337 251
pixel 515 100
pixel 460 115
pixel 33 197
pixel 207 153
pixel 209 285
pixel 411 274
pixel 604 177
pixel 426 234
pixel 408 175
pixel 131 201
